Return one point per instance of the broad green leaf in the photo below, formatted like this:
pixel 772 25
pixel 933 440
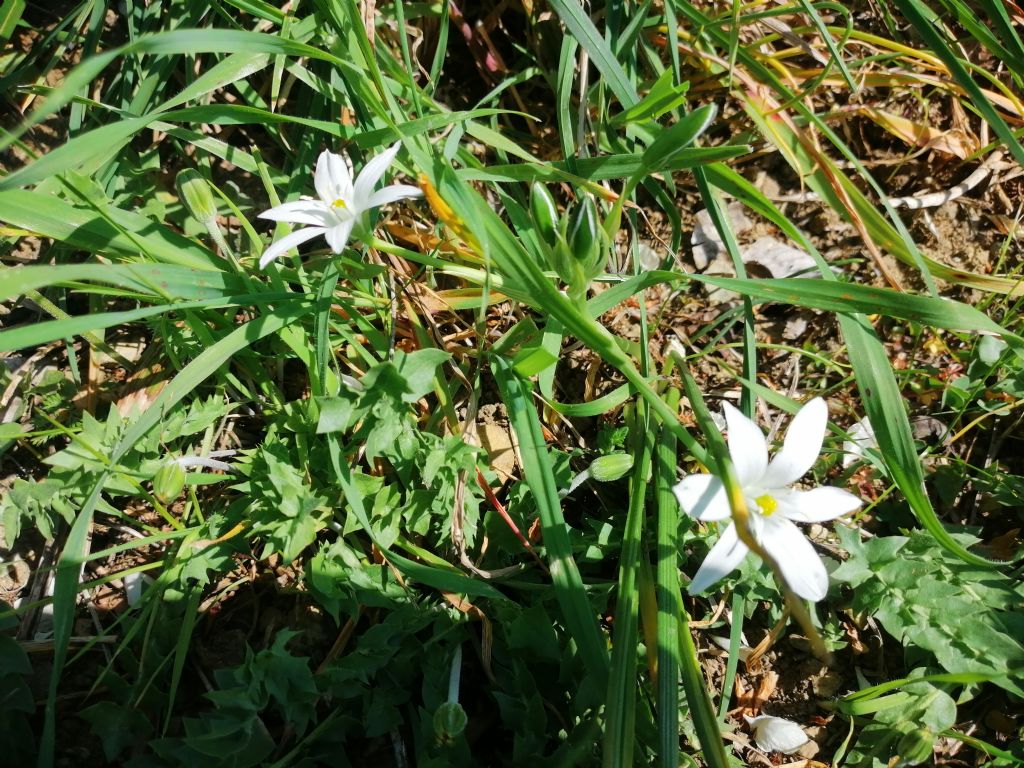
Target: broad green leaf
pixel 673 142
pixel 664 96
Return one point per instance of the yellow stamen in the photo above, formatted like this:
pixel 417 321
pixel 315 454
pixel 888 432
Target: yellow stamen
pixel 339 203
pixel 767 504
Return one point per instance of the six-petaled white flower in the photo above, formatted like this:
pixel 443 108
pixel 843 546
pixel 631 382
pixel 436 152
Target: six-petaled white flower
pixel 341 202
pixel 774 507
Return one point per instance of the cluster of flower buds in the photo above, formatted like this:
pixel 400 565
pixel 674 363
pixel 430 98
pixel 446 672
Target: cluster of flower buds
pixel 575 245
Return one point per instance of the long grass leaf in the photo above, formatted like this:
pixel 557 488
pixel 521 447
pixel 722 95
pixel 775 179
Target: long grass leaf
pixel 10 15
pixel 620 709
pixel 42 333
pixel 667 553
pixel 579 617
pixel 582 28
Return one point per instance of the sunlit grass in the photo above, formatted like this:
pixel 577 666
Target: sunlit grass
pixel 388 560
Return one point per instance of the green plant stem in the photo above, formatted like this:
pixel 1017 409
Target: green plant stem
pixel 619 744
pixel 667 686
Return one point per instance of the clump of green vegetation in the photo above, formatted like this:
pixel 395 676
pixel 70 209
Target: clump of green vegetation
pixel 363 365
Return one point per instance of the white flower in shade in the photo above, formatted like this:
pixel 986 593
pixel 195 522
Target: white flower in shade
pixel 776 734
pixel 341 202
pixel 774 507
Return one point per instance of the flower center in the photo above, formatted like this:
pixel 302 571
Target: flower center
pixel 339 203
pixel 767 504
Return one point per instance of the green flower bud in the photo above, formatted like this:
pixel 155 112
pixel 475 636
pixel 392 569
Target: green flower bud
pixel 545 214
pixel 168 482
pixel 449 722
pixel 916 746
pixel 197 196
pixel 565 265
pixel 604 469
pixel 582 235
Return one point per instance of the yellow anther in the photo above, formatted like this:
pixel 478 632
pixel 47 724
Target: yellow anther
pixel 767 504
pixel 339 203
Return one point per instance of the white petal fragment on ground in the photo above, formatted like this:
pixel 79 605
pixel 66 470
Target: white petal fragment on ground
pixel 776 734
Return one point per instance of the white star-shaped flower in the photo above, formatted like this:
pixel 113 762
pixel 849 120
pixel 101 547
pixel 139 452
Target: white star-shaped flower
pixel 341 202
pixel 774 507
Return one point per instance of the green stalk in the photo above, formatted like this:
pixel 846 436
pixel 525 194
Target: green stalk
pixel 620 720
pixel 667 693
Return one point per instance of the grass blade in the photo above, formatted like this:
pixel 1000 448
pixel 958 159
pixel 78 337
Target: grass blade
pixel 620 711
pixel 667 693
pixel 582 28
pixel 565 576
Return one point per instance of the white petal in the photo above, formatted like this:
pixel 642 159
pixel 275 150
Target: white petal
pixel 703 497
pixel 134 584
pixel 288 242
pixel 300 212
pixel 776 734
pixel 187 462
pixel 333 180
pixel 337 236
pixel 747 447
pixel 801 567
pixel 816 505
pixel 352 383
pixel 322 178
pixel 371 173
pixel 723 558
pixel 862 438
pixel 800 450
pixel 391 194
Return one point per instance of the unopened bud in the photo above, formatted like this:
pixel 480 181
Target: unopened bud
pixel 168 482
pixel 604 469
pixel 583 237
pixel 545 214
pixel 450 721
pixel 916 746
pixel 197 196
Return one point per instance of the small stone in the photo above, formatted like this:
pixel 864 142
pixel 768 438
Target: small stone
pixel 780 259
